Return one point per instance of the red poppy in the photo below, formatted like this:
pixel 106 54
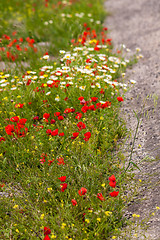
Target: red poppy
pixel 79 116
pixel 81 126
pixel 82 191
pixel 61 134
pixel 114 194
pixel 53 121
pixel 55 132
pixel 57 114
pixel 105 105
pixel 75 134
pixel 87 136
pixel 88 60
pixel 92 107
pixel 102 91
pixel 18 48
pixel 46 238
pixel 62 179
pixel 60 161
pixel 74 202
pixel 60 118
pixel 21 39
pixel 9 129
pixel 19 105
pixel 14 119
pixel 112 178
pixel 120 99
pixel 96 48
pixel 22 121
pixel 47 231
pixel 50 162
pixel 49 132
pixel 67 110
pixel 94 99
pixel 2 139
pixel 63 186
pixel 99 196
pixel 80 98
pixel 46 115
pixel 112 184
pixel 84 109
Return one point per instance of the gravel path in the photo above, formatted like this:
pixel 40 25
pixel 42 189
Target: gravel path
pixel 136 23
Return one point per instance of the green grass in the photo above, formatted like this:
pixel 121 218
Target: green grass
pixel 82 86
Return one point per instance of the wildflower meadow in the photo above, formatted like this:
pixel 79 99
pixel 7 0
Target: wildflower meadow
pixel 63 174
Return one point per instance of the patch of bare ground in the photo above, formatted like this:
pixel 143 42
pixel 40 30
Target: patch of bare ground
pixel 137 24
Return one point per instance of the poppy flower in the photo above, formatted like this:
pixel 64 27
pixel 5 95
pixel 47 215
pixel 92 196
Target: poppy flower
pixel 46 115
pixel 87 136
pixel 80 98
pixel 63 186
pixel 82 191
pixel 57 114
pixel 74 202
pixel 114 194
pixel 67 110
pixel 84 109
pixel 79 116
pixel 75 134
pixel 2 139
pixel 120 99
pixel 14 119
pixel 81 126
pixel 47 231
pixel 92 107
pixel 61 134
pixel 54 132
pixel 18 48
pixel 112 184
pixel 73 110
pixel 102 91
pixel 19 105
pixel 49 132
pixel 94 99
pixel 53 121
pixel 96 48
pixel 9 129
pixel 99 196
pixel 60 118
pixel 22 121
pixel 62 179
pixel 112 178
pixel 60 161
pixel 50 162
pixel 46 238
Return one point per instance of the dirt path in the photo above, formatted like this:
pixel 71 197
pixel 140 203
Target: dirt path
pixel 137 24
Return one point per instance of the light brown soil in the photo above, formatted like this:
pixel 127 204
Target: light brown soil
pixel 136 23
